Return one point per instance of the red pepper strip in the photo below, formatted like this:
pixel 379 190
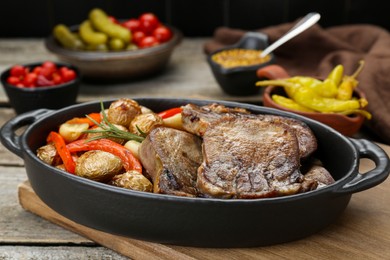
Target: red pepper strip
pixel 106 145
pixel 170 112
pixel 62 150
pixel 80 120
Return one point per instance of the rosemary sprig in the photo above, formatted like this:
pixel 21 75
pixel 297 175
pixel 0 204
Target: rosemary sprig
pixel 109 130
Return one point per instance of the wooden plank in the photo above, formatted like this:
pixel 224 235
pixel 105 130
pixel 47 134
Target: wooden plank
pixel 6 157
pixel 20 227
pixel 57 252
pixel 128 247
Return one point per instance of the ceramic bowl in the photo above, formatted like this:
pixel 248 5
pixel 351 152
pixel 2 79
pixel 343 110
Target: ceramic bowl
pixel 111 65
pixel 345 124
pixel 240 81
pixel 51 97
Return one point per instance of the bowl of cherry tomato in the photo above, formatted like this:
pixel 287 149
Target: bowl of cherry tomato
pixel 105 48
pixel 41 85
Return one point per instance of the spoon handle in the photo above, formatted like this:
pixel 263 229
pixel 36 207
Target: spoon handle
pixel 306 22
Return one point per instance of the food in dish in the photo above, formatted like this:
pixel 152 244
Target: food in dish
pixel 102 32
pixel 307 94
pixel 239 57
pixel 42 75
pixel 193 151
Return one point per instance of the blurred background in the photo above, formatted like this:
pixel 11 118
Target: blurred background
pixel 195 18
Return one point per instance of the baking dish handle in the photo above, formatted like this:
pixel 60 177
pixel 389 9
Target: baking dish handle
pixel 363 181
pixel 9 138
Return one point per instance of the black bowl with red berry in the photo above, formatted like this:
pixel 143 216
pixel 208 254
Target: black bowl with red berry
pixel 41 85
pixel 147 51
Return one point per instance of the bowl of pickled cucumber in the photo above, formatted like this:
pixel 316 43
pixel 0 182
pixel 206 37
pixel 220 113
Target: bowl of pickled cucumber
pixel 105 48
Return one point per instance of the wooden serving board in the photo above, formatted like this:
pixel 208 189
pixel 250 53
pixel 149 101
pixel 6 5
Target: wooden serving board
pixel 361 232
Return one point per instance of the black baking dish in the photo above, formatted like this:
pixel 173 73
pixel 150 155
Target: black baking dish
pixel 200 222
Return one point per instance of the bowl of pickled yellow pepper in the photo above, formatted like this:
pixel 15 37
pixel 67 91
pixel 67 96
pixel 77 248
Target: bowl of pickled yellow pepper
pixel 335 101
pixel 234 67
pixel 113 60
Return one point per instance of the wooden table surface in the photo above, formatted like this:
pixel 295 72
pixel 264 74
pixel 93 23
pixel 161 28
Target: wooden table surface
pixel 361 232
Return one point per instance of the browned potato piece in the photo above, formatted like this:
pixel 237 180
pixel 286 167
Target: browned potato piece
pixel 122 111
pixel 145 122
pixel 132 180
pixel 117 140
pixel 98 165
pixel 49 154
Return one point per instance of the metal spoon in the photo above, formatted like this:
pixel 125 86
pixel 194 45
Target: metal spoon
pixel 307 21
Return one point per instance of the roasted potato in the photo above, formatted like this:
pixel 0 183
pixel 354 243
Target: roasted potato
pixel 145 123
pixel 132 180
pixel 123 111
pixel 98 165
pixel 49 154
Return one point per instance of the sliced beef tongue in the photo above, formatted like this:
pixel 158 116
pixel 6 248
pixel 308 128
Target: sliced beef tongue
pixel 171 158
pixel 197 119
pixel 247 157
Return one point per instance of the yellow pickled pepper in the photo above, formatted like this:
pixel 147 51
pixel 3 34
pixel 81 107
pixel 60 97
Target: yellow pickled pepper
pixel 348 84
pixel 289 103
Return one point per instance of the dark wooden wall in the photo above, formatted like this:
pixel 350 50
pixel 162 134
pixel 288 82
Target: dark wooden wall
pixel 26 18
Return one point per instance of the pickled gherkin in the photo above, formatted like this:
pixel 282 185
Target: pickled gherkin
pixel 67 38
pixel 90 36
pixel 102 23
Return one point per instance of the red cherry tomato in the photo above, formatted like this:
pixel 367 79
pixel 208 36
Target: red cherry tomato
pixel 138 36
pixel 18 71
pixel 30 80
pixel 132 24
pixel 148 22
pixel 37 70
pixel 57 79
pixel 162 33
pixel 67 74
pixel 46 74
pixel 148 41
pixel 48 68
pixel 13 80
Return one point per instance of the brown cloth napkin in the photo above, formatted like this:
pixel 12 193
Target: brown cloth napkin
pixel 316 51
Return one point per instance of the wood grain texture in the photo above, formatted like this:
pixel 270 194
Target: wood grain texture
pixel 362 231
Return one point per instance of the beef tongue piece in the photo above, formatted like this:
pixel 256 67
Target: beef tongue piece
pixel 171 158
pixel 246 157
